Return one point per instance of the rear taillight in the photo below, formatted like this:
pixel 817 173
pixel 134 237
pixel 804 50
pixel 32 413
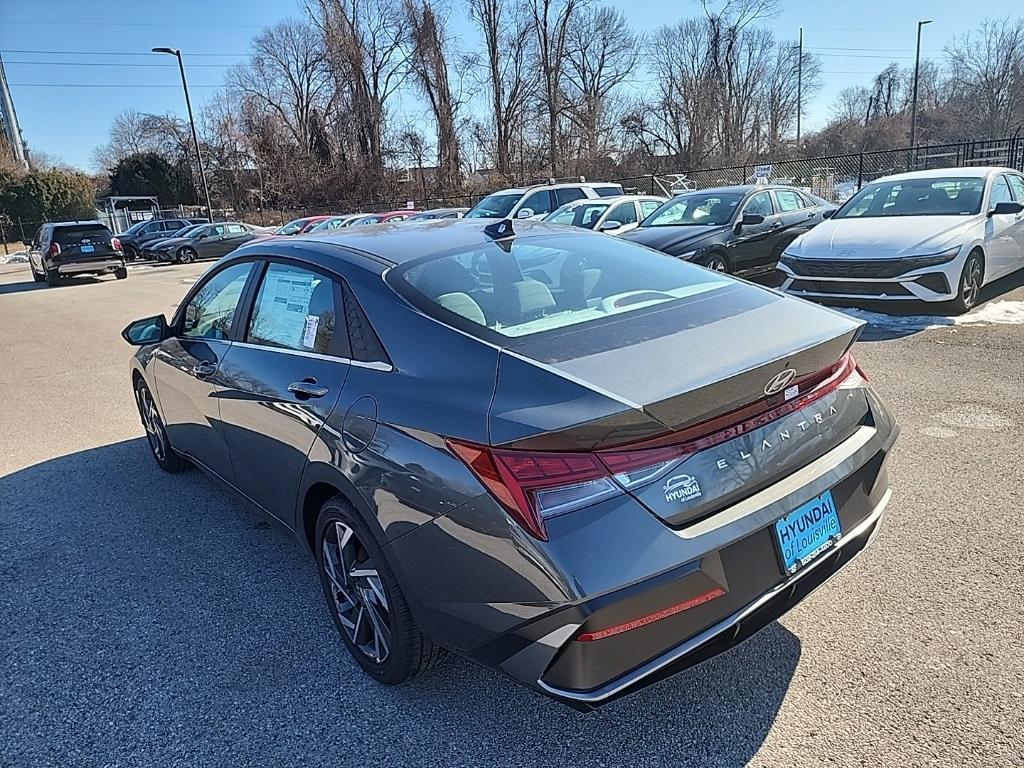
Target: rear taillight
pixel 115 243
pixel 534 486
pixel 54 249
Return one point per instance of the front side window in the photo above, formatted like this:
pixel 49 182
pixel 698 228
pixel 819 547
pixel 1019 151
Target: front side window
pixel 944 196
pixel 539 202
pixel 759 205
pixel 294 309
pixel 583 215
pixel 542 283
pixel 624 213
pixel 696 209
pixel 1001 191
pixel 292 227
pixel 211 310
pixel 788 200
pixel 1017 184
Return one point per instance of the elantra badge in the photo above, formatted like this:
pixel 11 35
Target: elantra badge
pixel 681 488
pixel 780 381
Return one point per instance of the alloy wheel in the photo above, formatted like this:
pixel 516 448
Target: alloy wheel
pixel 186 256
pixel 972 281
pixel 151 421
pixel 716 263
pixel 359 598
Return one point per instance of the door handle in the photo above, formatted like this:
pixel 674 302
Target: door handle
pixel 308 388
pixel 204 369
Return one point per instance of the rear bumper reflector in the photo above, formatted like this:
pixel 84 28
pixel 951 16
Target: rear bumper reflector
pixel 643 621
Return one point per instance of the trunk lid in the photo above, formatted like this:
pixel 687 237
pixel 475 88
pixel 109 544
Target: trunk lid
pixel 743 355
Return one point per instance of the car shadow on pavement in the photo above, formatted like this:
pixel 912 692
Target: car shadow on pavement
pixel 154 619
pixel 32 285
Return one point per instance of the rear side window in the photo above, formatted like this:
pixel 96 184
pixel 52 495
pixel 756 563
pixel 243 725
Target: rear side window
pixel 294 309
pixel 647 207
pixel 75 234
pixel 613 191
pixel 1017 183
pixel 788 200
pixel 565 195
pixel 543 283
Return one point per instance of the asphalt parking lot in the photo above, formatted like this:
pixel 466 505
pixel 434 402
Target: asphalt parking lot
pixel 149 619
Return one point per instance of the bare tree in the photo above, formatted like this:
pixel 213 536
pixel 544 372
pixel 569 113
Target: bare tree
pixel 601 54
pixel 987 73
pixel 429 62
pixel 508 38
pixel 287 75
pixel 368 52
pixel 552 20
pixel 780 90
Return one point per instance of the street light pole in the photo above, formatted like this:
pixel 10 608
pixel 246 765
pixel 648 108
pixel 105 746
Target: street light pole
pixel 917 72
pixel 195 136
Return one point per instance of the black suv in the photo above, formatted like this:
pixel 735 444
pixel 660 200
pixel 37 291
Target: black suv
pixel 65 248
pixel 137 236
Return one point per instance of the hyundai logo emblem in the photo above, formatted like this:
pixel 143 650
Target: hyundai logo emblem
pixel 779 381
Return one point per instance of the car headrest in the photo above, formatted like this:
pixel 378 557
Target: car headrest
pixel 445 276
pixel 530 299
pixel 462 304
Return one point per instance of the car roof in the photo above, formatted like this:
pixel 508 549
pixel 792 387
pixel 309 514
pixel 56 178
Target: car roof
pixel 737 188
pixel 612 200
pixel 399 242
pixel 76 223
pixel 560 185
pixel 980 172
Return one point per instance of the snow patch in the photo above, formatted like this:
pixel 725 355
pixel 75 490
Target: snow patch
pixel 18 257
pixel 1005 312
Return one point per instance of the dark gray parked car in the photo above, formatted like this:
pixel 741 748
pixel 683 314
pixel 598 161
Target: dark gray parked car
pixel 562 455
pixel 209 242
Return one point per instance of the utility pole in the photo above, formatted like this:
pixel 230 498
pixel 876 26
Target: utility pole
pixel 917 72
pixel 799 85
pixel 9 118
pixel 195 137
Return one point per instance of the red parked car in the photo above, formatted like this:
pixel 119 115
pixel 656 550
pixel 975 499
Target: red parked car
pixel 380 218
pixel 300 226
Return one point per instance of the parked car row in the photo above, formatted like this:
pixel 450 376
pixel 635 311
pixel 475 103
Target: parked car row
pixel 327 222
pixel 203 241
pixel 135 239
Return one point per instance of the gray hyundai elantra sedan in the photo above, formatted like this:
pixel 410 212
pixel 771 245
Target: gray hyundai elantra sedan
pixel 559 454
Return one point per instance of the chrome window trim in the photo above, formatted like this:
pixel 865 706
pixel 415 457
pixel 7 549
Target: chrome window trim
pixel 369 364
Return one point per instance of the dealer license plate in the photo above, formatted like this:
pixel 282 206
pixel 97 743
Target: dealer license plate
pixel 808 531
pixel 87 249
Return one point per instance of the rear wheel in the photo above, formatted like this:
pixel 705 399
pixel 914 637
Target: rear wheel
pixel 717 262
pixel 971 280
pixel 52 278
pixel 156 435
pixel 121 273
pixel 186 256
pixel 364 598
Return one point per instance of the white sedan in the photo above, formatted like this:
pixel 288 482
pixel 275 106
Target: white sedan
pixel 935 236
pixel 613 215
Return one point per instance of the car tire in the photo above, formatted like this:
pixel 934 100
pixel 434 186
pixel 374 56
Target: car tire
pixel 969 287
pixel 52 278
pixel 35 275
pixel 121 273
pixel 717 261
pixel 165 456
pixel 365 600
pixel 185 256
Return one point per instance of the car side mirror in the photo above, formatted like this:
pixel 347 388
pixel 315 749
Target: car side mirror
pixel 524 213
pixel 829 213
pixel 608 226
pixel 148 330
pixel 748 220
pixel 1006 208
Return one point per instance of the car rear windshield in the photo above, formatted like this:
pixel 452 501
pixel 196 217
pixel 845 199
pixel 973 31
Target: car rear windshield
pixel 76 233
pixel 946 196
pixel 540 283
pixel 695 209
pixel 497 206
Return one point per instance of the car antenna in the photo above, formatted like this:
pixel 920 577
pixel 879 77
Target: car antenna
pixel 500 230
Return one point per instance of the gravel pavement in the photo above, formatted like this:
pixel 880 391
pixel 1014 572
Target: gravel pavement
pixel 155 620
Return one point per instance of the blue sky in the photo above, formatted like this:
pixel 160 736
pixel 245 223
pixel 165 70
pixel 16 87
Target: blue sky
pixel 65 98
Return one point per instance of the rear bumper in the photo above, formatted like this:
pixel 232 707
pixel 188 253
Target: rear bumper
pixel 736 627
pixel 81 267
